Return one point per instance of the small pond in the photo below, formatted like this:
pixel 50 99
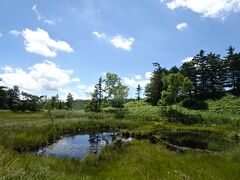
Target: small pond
pixel 79 146
pixel 196 140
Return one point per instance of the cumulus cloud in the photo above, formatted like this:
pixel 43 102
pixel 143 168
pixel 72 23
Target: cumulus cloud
pixel 78 92
pixel 42 18
pixel 41 76
pixel 117 41
pixel 45 77
pixel 39 42
pixel 121 42
pixel 207 8
pixel 182 26
pixel 148 75
pixel 188 59
pixel 133 82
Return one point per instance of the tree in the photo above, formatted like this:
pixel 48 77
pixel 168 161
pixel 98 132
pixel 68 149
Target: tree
pixel 232 66
pixel 139 90
pixel 116 93
pixel 29 102
pixel 55 102
pixel 177 88
pixel 3 97
pixel 14 98
pixel 69 101
pixel 154 89
pixel 188 69
pixel 201 73
pixel 215 73
pixel 120 93
pixel 97 96
pixel 174 70
pixel 111 81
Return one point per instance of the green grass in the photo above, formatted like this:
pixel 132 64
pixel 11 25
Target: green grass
pixel 135 160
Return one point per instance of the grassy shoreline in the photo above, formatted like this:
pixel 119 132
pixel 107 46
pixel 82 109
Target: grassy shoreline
pixel 137 159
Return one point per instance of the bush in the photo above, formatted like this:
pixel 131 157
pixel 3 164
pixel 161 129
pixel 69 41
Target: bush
pixel 195 104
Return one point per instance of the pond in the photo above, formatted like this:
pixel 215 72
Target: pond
pixel 79 146
pixel 196 140
pixel 92 142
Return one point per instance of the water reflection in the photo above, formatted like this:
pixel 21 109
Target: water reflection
pixel 79 146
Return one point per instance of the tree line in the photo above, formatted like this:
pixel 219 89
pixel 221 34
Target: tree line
pixel 205 76
pixel 14 100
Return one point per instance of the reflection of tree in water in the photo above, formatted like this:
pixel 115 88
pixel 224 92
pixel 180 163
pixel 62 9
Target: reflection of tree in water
pixel 99 139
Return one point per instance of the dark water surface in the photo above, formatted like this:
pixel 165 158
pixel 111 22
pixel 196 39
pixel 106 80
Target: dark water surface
pixel 193 140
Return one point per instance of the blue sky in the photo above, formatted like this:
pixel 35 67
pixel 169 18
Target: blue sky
pixel 57 46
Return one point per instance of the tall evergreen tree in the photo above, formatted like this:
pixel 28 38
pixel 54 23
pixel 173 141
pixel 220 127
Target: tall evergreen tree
pixel 3 97
pixel 14 98
pixel 215 73
pixel 154 89
pixel 201 73
pixel 188 69
pixel 232 66
pixel 97 96
pixel 69 102
pixel 139 90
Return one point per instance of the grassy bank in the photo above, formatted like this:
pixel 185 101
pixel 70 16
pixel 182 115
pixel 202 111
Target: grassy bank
pixel 137 159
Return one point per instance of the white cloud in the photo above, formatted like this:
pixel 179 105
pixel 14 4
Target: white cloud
pixel 76 80
pixel 39 42
pixel 1 34
pixel 7 69
pixel 123 43
pixel 117 41
pixel 45 78
pixel 99 35
pixel 207 8
pixel 133 82
pixel 78 92
pixel 42 18
pixel 15 32
pixel 188 59
pixel 42 76
pixel 148 75
pixel 138 77
pixel 182 26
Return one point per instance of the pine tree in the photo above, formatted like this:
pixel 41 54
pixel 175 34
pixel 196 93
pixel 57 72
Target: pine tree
pixel 154 89
pixel 3 97
pixel 201 73
pixel 215 75
pixel 14 98
pixel 139 90
pixel 232 67
pixel 69 102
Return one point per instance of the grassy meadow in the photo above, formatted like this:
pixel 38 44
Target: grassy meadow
pixel 139 159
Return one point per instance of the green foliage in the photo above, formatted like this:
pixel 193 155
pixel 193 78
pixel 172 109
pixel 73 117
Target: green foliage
pixel 139 90
pixel 14 99
pixel 177 88
pixel 154 89
pixel 69 102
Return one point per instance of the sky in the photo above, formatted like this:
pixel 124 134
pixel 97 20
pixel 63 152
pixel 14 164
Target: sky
pixel 60 47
